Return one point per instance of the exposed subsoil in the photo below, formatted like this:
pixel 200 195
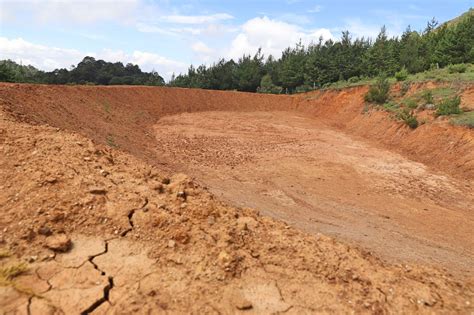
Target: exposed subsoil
pixel 93 200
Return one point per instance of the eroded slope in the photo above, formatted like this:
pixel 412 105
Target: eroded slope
pixel 144 242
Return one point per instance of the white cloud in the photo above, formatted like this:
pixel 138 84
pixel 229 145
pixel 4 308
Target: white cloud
pixel 201 48
pixel 197 19
pixel 40 56
pixel 359 29
pixel 272 36
pixel 49 58
pixel 82 11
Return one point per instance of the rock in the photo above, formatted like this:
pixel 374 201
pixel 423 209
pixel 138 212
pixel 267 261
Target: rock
pixel 97 190
pixel 59 243
pixel 45 230
pixel 171 243
pixel 430 106
pixel 181 194
pixel 166 181
pixel 242 303
pixel 224 259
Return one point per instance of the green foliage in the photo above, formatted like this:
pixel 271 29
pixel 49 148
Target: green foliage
pixel 391 107
pixel 410 103
pixel 464 119
pixel 401 75
pixel 267 86
pixel 459 68
pixel 441 53
pixel 379 92
pixel 449 106
pixel 408 118
pixel 354 79
pixel 427 97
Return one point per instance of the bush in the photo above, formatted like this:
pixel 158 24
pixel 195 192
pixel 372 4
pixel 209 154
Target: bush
pixel 378 93
pixel 354 79
pixel 428 97
pixel 459 68
pixel 449 106
pixel 401 75
pixel 408 118
pixel 410 103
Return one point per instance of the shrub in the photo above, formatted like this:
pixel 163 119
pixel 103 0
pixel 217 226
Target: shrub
pixel 411 103
pixel 378 93
pixel 459 68
pixel 428 97
pixel 401 75
pixel 408 118
pixel 354 79
pixel 449 106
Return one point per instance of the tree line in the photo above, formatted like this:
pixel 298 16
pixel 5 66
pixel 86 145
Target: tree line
pixel 299 68
pixel 303 68
pixel 88 71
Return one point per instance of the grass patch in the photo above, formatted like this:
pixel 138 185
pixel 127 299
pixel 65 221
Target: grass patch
pixel 449 106
pixel 8 273
pixel 408 118
pixel 465 119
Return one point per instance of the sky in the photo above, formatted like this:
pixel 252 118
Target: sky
pixel 168 36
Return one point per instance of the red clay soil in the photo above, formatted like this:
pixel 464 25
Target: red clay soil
pixel 94 208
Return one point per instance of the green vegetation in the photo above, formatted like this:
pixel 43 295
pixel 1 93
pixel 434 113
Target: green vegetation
pixel 408 118
pixel 88 71
pixel 441 53
pixel 449 106
pixel 459 68
pixel 378 92
pixel 401 75
pixel 465 119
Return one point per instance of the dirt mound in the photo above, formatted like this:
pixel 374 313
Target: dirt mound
pixel 144 242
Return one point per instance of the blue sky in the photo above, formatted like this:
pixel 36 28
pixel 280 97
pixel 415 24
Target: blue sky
pixel 168 35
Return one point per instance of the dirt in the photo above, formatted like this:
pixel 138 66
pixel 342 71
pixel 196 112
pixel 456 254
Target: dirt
pixel 95 203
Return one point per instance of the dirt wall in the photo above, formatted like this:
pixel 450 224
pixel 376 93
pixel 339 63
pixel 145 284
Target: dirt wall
pixel 122 116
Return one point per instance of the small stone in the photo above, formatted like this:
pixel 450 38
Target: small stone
pixel 87 158
pixel 183 205
pixel 181 194
pixel 97 190
pixel 103 173
pixel 166 181
pixel 211 220
pixel 45 230
pixel 32 259
pixel 241 303
pixel 171 243
pixel 59 243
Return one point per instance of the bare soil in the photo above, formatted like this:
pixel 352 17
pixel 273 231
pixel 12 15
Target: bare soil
pixel 306 204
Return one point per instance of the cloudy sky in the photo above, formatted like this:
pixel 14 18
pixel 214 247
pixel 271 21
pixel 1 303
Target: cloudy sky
pixel 168 35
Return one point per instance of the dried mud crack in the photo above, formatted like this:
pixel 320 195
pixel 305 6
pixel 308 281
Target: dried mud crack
pixel 107 288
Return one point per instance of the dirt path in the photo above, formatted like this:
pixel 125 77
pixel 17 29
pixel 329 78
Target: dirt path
pixel 321 180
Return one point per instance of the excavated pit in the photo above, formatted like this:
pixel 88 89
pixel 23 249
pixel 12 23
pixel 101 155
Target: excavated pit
pixel 318 162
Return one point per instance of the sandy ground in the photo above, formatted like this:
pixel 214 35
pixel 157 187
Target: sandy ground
pixel 320 180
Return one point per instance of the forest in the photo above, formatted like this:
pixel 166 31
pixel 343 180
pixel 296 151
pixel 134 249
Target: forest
pixel 300 68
